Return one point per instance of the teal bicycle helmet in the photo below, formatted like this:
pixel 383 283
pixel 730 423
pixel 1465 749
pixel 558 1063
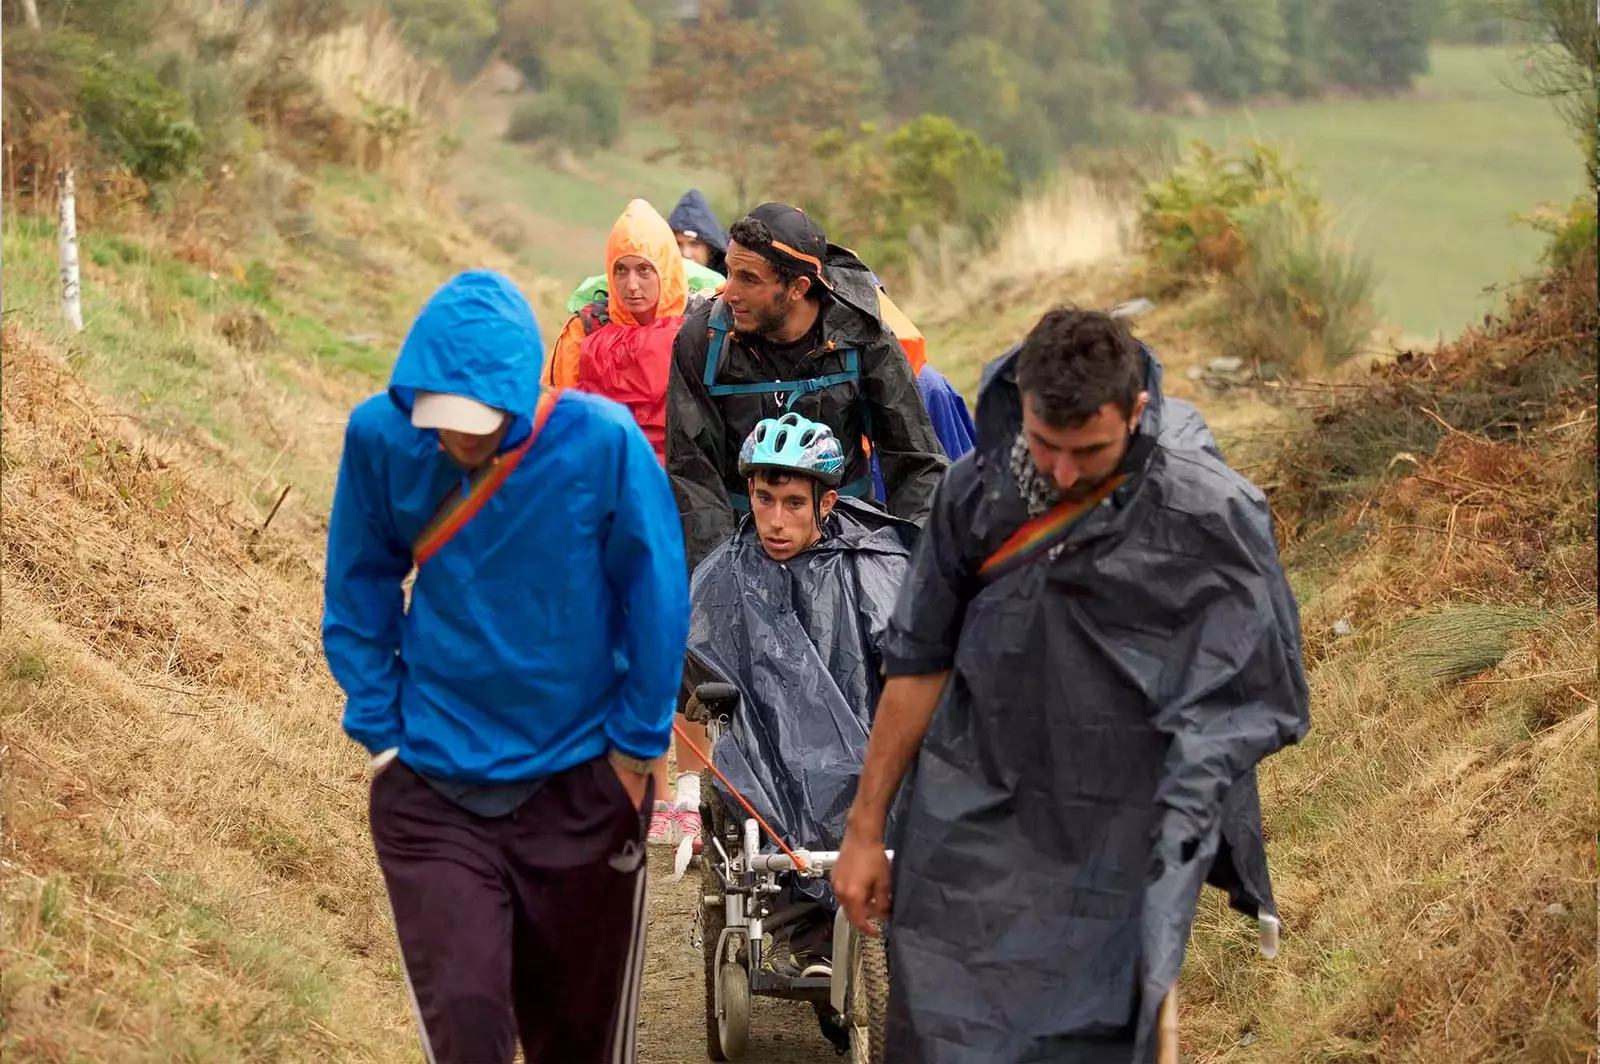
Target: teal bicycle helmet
pixel 792 444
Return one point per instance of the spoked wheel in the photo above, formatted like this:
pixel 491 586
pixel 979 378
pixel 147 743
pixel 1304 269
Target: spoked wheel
pixel 867 1002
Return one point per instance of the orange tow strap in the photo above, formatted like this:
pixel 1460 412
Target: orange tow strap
pixel 684 738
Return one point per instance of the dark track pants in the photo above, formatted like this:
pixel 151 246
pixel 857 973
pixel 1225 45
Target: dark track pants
pixel 528 925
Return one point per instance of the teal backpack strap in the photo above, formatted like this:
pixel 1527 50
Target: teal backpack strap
pixel 719 322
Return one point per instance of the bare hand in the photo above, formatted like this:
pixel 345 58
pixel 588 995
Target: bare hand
pixel 861 882
pixel 632 782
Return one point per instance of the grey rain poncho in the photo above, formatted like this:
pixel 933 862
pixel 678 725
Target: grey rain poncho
pixel 801 641
pixel 1092 761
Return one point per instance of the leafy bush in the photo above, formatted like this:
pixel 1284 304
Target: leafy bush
pixel 1298 299
pixel 139 120
pixel 929 175
pixel 1571 231
pixel 581 110
pixel 1249 223
pixel 123 108
pixel 1193 219
pixel 545 116
pixel 460 33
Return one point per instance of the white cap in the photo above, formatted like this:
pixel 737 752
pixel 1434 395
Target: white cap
pixel 441 410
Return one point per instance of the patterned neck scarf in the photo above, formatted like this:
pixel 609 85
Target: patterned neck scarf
pixel 1037 490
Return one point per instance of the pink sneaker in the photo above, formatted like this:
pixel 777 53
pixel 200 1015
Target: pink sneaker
pixel 688 824
pixel 663 826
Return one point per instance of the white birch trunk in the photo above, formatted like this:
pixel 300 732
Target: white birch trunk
pixel 30 13
pixel 71 300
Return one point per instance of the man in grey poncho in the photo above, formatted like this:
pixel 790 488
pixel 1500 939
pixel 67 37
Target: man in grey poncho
pixel 1094 648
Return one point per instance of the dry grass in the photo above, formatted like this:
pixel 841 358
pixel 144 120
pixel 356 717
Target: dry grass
pixel 1067 227
pixel 188 874
pixel 397 102
pixel 1433 840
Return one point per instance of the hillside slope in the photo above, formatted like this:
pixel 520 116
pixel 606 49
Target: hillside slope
pixel 1432 840
pixel 189 875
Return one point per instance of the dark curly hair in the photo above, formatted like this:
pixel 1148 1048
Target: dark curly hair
pixel 752 233
pixel 1076 361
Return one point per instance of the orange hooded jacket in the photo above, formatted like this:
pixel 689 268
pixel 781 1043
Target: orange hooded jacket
pixel 624 360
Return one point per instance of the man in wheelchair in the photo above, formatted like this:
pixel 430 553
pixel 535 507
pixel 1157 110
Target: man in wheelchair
pixel 791 612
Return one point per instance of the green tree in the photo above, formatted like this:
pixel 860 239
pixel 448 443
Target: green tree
pixel 1376 43
pixel 1302 38
pixel 837 29
pixel 535 34
pixel 927 175
pixel 983 85
pixel 1563 62
pixel 1234 48
pixel 736 96
pixel 459 33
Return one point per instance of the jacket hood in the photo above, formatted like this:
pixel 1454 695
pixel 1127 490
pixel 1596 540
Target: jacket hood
pixel 693 217
pixel 478 337
pixel 851 305
pixel 999 414
pixel 910 337
pixel 643 232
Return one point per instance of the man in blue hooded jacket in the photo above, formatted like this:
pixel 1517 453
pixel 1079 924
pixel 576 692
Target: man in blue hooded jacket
pixel 515 706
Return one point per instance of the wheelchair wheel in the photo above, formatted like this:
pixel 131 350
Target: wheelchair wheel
pixel 867 1001
pixel 713 918
pixel 733 1026
pixel 727 1032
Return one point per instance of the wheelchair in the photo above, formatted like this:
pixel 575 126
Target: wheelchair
pixel 747 895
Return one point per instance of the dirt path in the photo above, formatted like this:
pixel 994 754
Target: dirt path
pixel 672 1020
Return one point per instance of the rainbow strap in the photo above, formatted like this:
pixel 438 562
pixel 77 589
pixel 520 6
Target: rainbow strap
pixel 1046 529
pixel 457 509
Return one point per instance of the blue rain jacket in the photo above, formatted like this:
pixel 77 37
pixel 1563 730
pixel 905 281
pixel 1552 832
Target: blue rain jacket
pixel 948 412
pixel 693 216
pixel 552 626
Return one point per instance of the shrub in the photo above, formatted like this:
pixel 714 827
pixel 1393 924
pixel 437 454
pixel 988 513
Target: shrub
pixel 1571 231
pixel 931 175
pixel 122 107
pixel 1249 223
pixel 545 116
pixel 1192 220
pixel 1299 299
pixel 581 110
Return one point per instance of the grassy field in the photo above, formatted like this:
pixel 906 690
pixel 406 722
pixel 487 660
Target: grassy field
pixel 560 214
pixel 1429 185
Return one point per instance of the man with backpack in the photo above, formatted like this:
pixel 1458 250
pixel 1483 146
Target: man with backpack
pixel 514 707
pixel 795 329
pixel 1096 610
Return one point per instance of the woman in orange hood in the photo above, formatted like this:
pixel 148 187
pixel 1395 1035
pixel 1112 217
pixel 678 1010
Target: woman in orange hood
pixel 623 350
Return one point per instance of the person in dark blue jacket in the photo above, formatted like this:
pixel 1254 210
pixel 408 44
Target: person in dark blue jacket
pixel 514 707
pixel 700 236
pixel 948 412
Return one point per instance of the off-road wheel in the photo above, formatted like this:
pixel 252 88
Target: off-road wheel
pixel 713 918
pixel 727 1032
pixel 867 1002
pixel 733 1026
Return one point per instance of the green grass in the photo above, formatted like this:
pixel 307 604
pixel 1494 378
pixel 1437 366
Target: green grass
pixel 569 214
pixel 153 338
pixel 1429 185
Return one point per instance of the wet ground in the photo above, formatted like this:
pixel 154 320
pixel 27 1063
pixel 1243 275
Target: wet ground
pixel 672 1025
